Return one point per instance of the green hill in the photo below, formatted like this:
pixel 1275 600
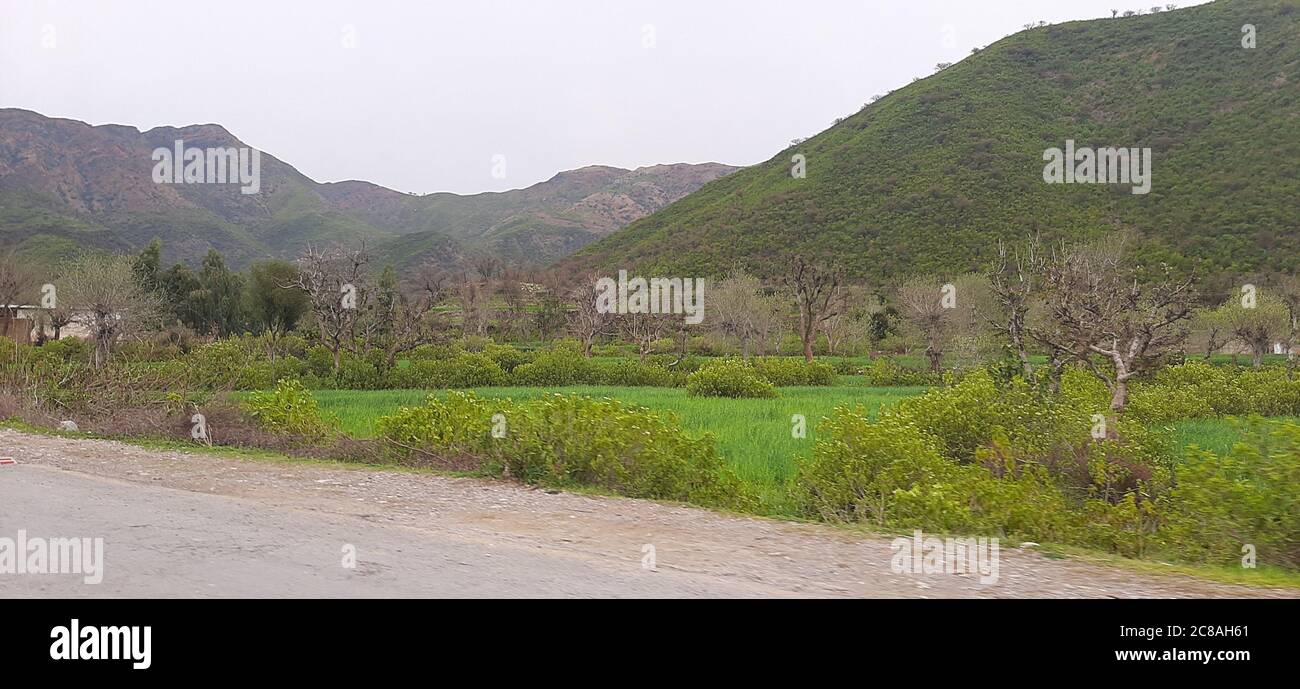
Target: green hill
pixel 928 178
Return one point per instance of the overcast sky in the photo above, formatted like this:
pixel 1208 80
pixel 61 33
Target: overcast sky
pixel 420 96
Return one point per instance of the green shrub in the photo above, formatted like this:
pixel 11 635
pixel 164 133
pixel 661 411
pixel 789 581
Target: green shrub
pixel 631 372
pixel 458 424
pixel 1195 390
pixel 728 378
pixel 1268 392
pixel 1192 390
pixel 893 473
pixel 1009 460
pixel 219 363
pixel 1165 404
pixel 557 367
pixel 1082 389
pixel 359 373
pixel 867 470
pixel 68 349
pixel 789 372
pixel 463 371
pixel 1128 527
pixel 320 362
pixel 507 357
pixel 430 352
pixel 289 409
pixel 961 417
pixel 1245 497
pixel 677 363
pixel 570 441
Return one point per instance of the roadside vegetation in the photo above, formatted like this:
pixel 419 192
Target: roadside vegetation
pixel 1064 396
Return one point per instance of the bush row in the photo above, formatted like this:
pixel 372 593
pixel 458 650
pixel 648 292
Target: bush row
pixel 1195 390
pixel 246 364
pixel 564 440
pixel 729 378
pixel 1016 462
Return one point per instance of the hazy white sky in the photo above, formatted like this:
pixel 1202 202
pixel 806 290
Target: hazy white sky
pixel 420 96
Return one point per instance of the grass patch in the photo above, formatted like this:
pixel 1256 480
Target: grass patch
pixel 1216 435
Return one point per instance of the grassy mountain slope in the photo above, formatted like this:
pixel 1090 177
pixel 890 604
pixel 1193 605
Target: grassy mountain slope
pixel 928 178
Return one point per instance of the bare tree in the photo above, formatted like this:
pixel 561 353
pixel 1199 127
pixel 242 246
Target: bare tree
pixel 551 314
pixel 642 329
pixel 514 319
pixel 770 317
pixel 1043 329
pixel 1101 308
pixel 102 293
pixel 56 318
pixel 474 293
pixel 586 321
pixel 404 317
pixel 1258 325
pixel 1011 281
pixel 736 302
pixel 17 283
pixel 1209 330
pixel 813 288
pixel 488 267
pixel 1289 293
pixel 837 322
pixel 932 314
pixel 339 289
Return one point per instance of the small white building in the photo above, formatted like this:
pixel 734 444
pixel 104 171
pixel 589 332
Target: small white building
pixel 18 322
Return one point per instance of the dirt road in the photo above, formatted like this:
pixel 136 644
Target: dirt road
pixel 176 524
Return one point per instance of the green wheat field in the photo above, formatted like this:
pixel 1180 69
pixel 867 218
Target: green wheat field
pixel 754 435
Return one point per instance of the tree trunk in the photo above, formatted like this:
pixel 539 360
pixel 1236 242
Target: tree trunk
pixel 936 359
pixel 1028 368
pixel 101 353
pixel 1119 398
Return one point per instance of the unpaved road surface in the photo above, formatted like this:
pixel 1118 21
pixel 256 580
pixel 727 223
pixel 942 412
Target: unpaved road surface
pixel 176 524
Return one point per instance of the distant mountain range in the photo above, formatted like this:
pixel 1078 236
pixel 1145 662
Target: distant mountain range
pixel 66 185
pixel 929 178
